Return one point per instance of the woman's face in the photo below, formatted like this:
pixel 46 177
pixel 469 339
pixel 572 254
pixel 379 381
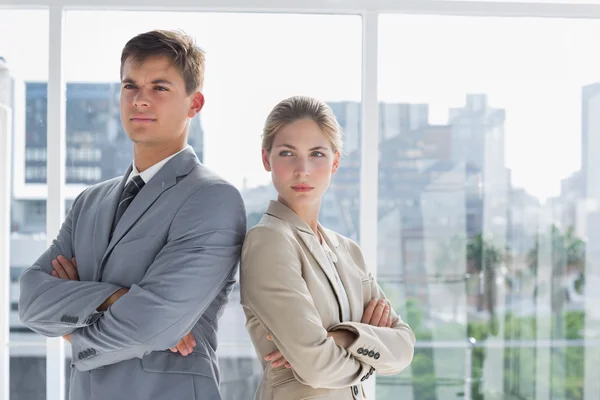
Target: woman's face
pixel 301 162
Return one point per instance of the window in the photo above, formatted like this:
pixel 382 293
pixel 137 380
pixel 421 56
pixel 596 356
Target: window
pixel 24 57
pixel 488 194
pixel 497 250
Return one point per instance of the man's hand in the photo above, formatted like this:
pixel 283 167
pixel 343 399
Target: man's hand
pixel 377 313
pixel 112 299
pixel 276 358
pixel 65 269
pixel 185 345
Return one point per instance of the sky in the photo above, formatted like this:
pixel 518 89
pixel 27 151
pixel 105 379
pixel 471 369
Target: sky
pixel 533 68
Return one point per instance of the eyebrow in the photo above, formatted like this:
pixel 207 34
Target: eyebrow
pixel 294 148
pixel 154 82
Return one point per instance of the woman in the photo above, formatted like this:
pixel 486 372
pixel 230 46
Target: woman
pixel 319 322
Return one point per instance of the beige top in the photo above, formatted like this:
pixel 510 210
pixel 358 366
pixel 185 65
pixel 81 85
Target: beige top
pixel 290 291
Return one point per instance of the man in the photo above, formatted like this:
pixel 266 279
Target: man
pixel 145 260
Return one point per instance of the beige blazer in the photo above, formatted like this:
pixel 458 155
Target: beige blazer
pixel 288 290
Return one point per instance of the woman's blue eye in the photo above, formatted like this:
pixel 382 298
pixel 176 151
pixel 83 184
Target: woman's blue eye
pixel 285 153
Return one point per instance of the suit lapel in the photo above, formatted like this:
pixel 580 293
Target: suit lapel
pixel 104 219
pixel 164 179
pixel 317 251
pixel 310 240
pixel 348 274
pixel 144 199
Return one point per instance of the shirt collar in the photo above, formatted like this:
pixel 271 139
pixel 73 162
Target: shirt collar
pixel 147 174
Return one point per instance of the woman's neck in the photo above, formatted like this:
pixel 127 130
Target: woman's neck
pixel 308 213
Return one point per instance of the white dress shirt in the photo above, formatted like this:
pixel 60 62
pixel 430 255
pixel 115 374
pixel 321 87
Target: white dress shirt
pixel 150 172
pixel 345 304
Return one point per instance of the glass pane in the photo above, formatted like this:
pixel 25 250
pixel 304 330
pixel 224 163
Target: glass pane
pixel 246 75
pixel 538 1
pixel 23 59
pixel 488 220
pixel 28 372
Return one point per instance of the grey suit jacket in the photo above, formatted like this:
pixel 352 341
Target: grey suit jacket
pixel 177 249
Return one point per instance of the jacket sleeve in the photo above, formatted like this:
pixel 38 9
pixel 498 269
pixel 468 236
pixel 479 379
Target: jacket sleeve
pixel 274 291
pixel 387 350
pixel 198 262
pixel 55 307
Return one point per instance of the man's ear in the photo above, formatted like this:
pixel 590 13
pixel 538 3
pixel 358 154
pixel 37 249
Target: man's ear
pixel 197 104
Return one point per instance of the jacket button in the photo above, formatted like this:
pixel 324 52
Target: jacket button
pixel 376 356
pixel 360 351
pixel 80 355
pixel 355 388
pixel 371 353
pixel 93 352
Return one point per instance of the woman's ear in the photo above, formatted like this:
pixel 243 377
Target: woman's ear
pixel 336 162
pixel 265 159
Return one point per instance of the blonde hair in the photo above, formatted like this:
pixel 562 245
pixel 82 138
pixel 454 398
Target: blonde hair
pixel 295 108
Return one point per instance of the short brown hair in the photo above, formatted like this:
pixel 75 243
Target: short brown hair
pixel 295 108
pixel 180 48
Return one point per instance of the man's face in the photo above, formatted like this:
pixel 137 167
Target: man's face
pixel 155 107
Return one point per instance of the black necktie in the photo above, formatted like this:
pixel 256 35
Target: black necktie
pixel 131 190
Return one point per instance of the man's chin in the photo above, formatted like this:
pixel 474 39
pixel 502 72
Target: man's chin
pixel 141 136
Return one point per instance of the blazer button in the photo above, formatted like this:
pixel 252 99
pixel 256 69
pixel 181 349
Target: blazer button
pixel 80 355
pixel 371 353
pixel 360 351
pixel 355 388
pixel 376 356
pixel 93 352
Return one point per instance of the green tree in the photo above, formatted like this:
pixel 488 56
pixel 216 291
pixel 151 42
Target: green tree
pixel 482 258
pixel 485 258
pixel 566 253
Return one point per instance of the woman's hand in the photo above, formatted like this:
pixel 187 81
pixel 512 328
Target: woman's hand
pixel 377 313
pixel 276 358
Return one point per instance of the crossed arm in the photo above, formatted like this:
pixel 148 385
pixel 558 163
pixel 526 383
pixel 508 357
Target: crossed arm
pixel 65 269
pixel 195 265
pixel 55 307
pixel 377 313
pixel 273 289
